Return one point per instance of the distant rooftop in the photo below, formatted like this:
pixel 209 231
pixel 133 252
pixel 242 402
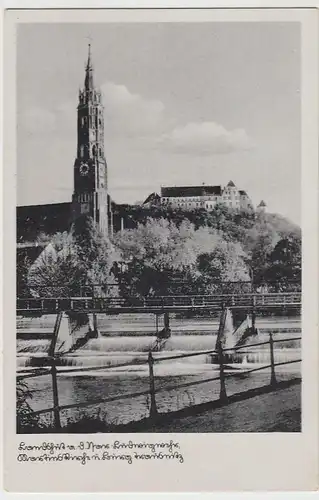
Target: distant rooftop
pixel 231 184
pixel 151 198
pixel 187 191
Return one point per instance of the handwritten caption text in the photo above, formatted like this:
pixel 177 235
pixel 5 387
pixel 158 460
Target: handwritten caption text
pixel 84 452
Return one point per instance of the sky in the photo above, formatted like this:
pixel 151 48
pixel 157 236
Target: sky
pixel 185 104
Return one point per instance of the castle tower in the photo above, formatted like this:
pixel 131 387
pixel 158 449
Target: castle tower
pixel 90 168
pixel 262 206
pixel 230 196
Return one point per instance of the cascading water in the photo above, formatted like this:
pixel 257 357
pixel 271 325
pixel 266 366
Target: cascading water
pixel 111 351
pixel 132 345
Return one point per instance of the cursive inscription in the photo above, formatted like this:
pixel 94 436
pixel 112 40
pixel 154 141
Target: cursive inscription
pixel 84 452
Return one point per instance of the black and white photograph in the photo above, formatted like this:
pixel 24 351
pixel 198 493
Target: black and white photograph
pixel 158 227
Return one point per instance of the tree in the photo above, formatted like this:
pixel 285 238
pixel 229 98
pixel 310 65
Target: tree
pixel 284 265
pixel 259 243
pixel 23 266
pixel 94 253
pixel 55 273
pixel 154 253
pixel 221 268
pixel 163 258
pixel 74 261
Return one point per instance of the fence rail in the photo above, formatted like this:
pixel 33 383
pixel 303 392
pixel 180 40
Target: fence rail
pixel 45 305
pixel 149 359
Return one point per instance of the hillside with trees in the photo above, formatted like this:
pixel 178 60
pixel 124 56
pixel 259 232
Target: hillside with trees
pixel 163 251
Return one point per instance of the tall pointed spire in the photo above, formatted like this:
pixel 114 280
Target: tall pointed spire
pixel 89 63
pixel 90 194
pixel 89 72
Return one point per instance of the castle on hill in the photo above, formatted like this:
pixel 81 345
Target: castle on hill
pixel 202 197
pixel 207 197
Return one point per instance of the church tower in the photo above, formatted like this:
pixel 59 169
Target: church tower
pixel 90 169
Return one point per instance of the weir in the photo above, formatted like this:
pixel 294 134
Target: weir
pixel 74 331
pixel 79 343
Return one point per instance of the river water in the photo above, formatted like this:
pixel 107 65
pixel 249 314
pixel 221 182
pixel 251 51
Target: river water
pixel 127 340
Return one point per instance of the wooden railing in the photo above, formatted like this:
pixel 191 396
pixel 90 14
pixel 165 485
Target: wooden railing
pixel 220 355
pixel 46 305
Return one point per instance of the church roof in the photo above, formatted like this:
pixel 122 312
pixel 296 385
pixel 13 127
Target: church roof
pixel 32 220
pixel 187 191
pixel 262 204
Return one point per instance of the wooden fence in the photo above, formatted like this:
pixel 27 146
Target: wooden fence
pixel 221 356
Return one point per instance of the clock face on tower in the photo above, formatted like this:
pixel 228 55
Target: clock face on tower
pixel 84 169
pixel 85 208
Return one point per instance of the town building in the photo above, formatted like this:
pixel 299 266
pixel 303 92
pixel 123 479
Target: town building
pixel 205 197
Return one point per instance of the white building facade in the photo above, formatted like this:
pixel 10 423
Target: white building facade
pixel 205 197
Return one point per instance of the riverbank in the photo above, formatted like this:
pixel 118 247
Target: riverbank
pixel 264 409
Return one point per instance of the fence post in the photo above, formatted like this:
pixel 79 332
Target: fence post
pixel 166 320
pixel 153 408
pixel 253 314
pixel 222 393
pixel 56 412
pixel 273 380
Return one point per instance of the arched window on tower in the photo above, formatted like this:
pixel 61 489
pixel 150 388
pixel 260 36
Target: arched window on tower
pixel 93 150
pixel 82 151
pixel 100 152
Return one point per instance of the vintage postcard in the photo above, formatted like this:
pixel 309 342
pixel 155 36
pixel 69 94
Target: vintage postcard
pixel 161 250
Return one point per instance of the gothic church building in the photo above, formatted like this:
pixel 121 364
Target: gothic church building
pixel 90 192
